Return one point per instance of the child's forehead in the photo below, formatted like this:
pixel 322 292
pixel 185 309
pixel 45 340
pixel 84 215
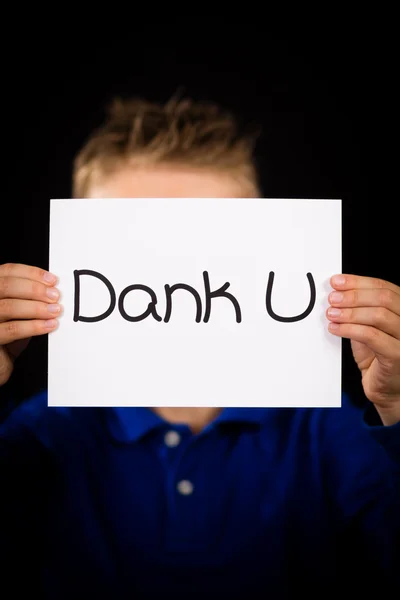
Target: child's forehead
pixel 166 181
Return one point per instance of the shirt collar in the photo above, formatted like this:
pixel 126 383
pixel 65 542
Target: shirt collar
pixel 129 424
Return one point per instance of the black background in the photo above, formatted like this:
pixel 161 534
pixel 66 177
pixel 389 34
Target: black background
pixel 325 101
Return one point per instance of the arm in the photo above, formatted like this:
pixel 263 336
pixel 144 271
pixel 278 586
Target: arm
pixel 27 308
pixel 22 486
pixel 24 468
pixel 366 311
pixel 361 465
pixel 385 429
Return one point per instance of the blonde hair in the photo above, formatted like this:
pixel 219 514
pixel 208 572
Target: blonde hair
pixel 138 133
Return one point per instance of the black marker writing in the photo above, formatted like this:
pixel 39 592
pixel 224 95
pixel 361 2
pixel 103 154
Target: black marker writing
pixel 169 289
pixel 113 299
pixel 289 319
pixel 221 293
pixel 151 309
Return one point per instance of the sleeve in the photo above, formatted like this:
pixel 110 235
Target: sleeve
pixel 361 466
pixel 7 405
pixel 24 473
pixel 388 437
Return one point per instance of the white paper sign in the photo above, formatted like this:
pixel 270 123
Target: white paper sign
pixel 235 292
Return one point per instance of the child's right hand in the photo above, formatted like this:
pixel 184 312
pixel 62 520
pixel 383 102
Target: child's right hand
pixel 28 307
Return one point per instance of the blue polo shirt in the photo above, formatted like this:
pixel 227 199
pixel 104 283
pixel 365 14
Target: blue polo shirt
pixel 116 503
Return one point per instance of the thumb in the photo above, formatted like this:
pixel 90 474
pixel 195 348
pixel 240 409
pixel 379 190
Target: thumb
pixel 8 354
pixel 6 365
pixel 15 348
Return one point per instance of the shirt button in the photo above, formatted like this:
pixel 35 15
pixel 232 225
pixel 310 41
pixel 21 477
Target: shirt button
pixel 185 487
pixel 172 439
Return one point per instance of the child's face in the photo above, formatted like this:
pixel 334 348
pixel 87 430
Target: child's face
pixel 164 181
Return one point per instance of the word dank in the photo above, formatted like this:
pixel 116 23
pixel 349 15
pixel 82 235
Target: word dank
pixel 170 289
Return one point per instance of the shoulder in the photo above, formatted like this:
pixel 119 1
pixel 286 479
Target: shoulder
pixel 50 426
pixel 332 434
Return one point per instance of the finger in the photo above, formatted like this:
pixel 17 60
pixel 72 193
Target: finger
pixel 12 331
pixel 356 282
pixel 25 289
pixel 27 272
pixel 385 298
pixel 379 342
pixel 380 318
pixel 11 309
